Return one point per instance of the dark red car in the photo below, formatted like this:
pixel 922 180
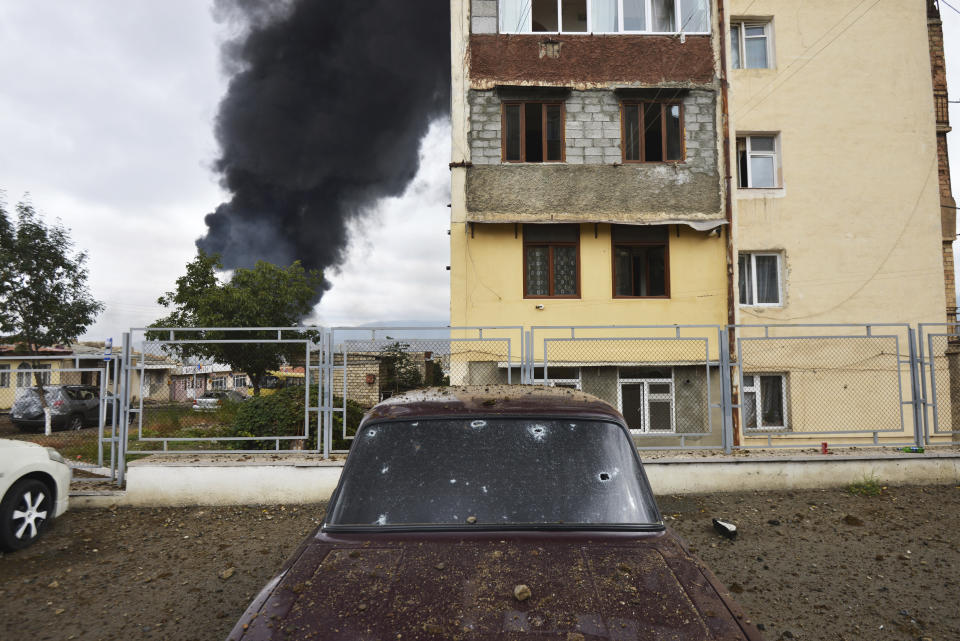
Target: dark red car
pixel 481 513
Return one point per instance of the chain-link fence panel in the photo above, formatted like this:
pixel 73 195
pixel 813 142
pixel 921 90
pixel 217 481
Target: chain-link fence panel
pixel 942 359
pixel 793 385
pixel 664 380
pixel 224 390
pixel 76 400
pixel 372 364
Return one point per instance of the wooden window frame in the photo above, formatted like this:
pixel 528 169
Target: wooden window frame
pixel 550 286
pixel 637 104
pixel 523 121
pixel 639 243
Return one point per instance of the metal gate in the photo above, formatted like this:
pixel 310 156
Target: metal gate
pixel 940 372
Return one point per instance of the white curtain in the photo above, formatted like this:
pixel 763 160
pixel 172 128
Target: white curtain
pixel 603 14
pixel 515 16
pixel 768 283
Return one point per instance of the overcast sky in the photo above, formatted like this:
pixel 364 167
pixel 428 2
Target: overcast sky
pixel 106 120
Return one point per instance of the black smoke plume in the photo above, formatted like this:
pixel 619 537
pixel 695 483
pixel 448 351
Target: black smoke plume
pixel 325 109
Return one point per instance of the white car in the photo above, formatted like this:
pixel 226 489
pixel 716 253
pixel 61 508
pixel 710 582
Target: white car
pixel 35 486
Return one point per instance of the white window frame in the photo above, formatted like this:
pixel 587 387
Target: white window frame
pixel 240 380
pixel 24 373
pixel 218 383
pixel 4 375
pixel 575 383
pixel 775 154
pixel 647 397
pixel 742 24
pixel 753 279
pixel 758 401
pixel 648 11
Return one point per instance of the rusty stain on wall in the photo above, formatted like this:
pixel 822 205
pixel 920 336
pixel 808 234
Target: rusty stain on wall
pixel 590 60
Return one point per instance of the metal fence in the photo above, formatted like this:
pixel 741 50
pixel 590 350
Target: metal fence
pixel 190 390
pixel 81 403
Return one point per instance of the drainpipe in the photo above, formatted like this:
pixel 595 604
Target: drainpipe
pixel 728 182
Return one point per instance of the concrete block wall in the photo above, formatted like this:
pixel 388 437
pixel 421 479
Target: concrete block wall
pixel 483 16
pixel 592 129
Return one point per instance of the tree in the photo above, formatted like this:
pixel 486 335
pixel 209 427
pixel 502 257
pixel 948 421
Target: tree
pixel 400 370
pixel 44 300
pixel 265 296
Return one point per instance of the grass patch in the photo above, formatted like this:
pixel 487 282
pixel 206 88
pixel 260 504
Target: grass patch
pixel 866 487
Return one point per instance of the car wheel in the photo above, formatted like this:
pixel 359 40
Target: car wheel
pixel 24 513
pixel 75 422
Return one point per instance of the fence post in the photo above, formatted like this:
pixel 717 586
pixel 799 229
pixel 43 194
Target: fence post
pixel 121 444
pixel 917 393
pixel 726 386
pixel 526 371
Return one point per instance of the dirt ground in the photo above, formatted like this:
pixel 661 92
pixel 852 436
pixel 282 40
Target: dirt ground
pixel 817 565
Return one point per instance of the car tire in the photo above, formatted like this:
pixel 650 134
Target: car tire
pixel 25 511
pixel 75 422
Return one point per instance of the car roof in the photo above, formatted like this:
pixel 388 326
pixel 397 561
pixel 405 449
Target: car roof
pixel 493 400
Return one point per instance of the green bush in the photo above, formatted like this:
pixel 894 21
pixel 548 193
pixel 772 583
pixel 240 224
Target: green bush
pixel 277 414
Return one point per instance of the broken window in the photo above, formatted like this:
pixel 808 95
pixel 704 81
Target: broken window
pixel 640 261
pixel 551 261
pixel 760 279
pixel 758 161
pixel 652 132
pixel 604 16
pixel 764 401
pixel 533 132
pixel 750 45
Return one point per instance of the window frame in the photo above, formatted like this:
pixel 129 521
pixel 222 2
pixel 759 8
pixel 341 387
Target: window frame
pixel 647 382
pixel 614 243
pixel 753 272
pixel 218 383
pixel 758 401
pixel 5 375
pixel 523 139
pixel 638 104
pixel 550 245
pixel 24 370
pixel 742 24
pixel 775 154
pixel 648 11
pixel 240 380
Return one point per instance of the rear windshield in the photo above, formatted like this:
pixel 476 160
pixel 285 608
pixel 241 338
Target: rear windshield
pixel 491 473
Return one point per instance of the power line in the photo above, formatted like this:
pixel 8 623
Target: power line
pixel 783 78
pixel 950 5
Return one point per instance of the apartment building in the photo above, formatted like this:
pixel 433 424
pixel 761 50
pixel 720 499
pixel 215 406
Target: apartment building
pixel 697 162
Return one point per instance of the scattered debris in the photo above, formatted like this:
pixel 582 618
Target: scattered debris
pixel 226 574
pixel 471 520
pixel 521 592
pixel 850 519
pixel 725 528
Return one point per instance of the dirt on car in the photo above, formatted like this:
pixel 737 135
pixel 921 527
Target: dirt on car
pixel 814 564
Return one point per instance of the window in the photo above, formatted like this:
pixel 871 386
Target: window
pixel 764 400
pixel 750 45
pixel 218 383
pixel 28 378
pixel 640 261
pixel 551 265
pixel 239 380
pixel 4 375
pixel 560 376
pixel 758 162
pixel 533 132
pixel 760 280
pixel 645 398
pixel 604 16
pixel 652 131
